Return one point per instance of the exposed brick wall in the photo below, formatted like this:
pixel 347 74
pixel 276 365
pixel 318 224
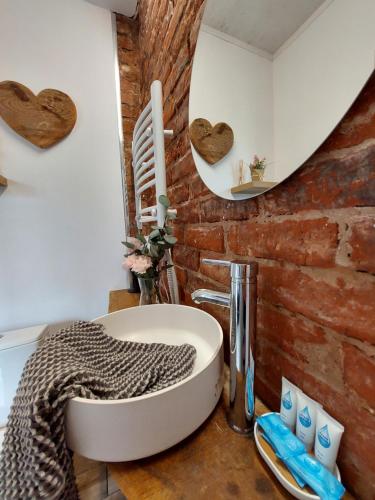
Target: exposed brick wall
pixel 130 78
pixel 313 237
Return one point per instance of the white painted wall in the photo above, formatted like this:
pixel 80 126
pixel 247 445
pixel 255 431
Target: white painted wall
pixel 61 217
pixel 125 7
pixel 224 89
pixel 317 76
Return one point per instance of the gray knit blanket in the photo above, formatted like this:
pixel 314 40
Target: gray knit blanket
pixel 81 360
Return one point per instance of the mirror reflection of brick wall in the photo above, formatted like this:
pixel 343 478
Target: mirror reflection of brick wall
pixel 313 237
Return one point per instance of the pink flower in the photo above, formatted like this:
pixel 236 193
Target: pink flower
pixel 137 263
pixel 129 261
pixel 142 263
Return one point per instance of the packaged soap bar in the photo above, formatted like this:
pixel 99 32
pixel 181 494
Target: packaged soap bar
pixel 320 479
pixel 280 436
pixel 327 439
pixel 288 406
pixel 306 419
pixel 298 480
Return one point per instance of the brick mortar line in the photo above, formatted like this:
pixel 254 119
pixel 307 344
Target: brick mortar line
pixel 345 391
pixel 340 153
pixel 304 367
pixel 314 271
pixel 342 264
pixel 364 346
pixel 333 215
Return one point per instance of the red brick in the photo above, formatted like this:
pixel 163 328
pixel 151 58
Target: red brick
pixel 187 258
pixel 196 281
pixel 178 231
pixel 194 31
pixel 313 351
pixel 359 479
pixel 179 120
pixel 176 148
pixel 178 193
pixel 359 436
pixel 362 242
pixel 183 167
pixel 217 209
pixel 327 299
pixel 129 65
pixel 205 238
pixel 304 242
pixel 198 187
pixel 333 183
pixel 359 373
pixel 341 300
pixel 217 273
pixel 181 276
pixel 188 212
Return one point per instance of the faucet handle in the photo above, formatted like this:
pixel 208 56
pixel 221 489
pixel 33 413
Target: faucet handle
pixel 217 262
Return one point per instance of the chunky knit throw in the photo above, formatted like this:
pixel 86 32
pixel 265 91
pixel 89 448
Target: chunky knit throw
pixel 81 360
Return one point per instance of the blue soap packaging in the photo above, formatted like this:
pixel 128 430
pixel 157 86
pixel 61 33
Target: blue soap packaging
pixel 306 419
pixel 280 436
pixel 288 405
pixel 298 480
pixel 305 468
pixel 316 476
pixel 327 439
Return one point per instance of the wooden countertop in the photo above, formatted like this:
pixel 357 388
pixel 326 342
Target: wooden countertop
pixel 213 463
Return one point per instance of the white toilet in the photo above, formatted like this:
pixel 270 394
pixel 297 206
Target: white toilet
pixel 15 348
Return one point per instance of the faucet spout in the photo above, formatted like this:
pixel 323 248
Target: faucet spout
pixel 211 296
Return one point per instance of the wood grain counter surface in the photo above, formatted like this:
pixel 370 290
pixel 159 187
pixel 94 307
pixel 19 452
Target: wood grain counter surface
pixel 213 463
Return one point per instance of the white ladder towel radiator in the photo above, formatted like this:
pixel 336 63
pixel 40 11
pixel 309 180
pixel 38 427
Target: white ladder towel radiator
pixel 149 169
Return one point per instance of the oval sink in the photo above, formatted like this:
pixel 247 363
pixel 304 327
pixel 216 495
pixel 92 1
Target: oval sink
pixel 128 429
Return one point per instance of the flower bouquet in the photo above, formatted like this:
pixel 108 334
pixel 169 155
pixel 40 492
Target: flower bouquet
pixel 146 257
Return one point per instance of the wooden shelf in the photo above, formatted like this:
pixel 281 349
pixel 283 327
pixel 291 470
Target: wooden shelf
pixel 254 187
pixel 3 181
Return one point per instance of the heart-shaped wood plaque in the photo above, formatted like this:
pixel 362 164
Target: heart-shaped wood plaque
pixel 212 143
pixel 42 119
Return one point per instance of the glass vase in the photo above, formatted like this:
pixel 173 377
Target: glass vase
pixel 149 291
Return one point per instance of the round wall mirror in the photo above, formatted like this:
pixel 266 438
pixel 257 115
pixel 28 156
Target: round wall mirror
pixel 271 79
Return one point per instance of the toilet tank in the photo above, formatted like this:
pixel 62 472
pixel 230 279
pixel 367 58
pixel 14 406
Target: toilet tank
pixel 15 348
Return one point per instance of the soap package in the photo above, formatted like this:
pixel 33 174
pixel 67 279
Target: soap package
pixel 292 452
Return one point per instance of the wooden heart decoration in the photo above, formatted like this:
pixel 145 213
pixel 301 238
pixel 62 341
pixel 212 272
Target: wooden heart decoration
pixel 212 143
pixel 42 119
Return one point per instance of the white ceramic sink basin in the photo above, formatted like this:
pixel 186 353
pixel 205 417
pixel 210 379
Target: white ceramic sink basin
pixel 128 429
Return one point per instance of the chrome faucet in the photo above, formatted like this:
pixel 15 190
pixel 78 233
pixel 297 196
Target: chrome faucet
pixel 242 303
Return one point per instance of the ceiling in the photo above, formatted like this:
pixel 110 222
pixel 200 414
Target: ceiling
pixel 125 7
pixel 265 24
